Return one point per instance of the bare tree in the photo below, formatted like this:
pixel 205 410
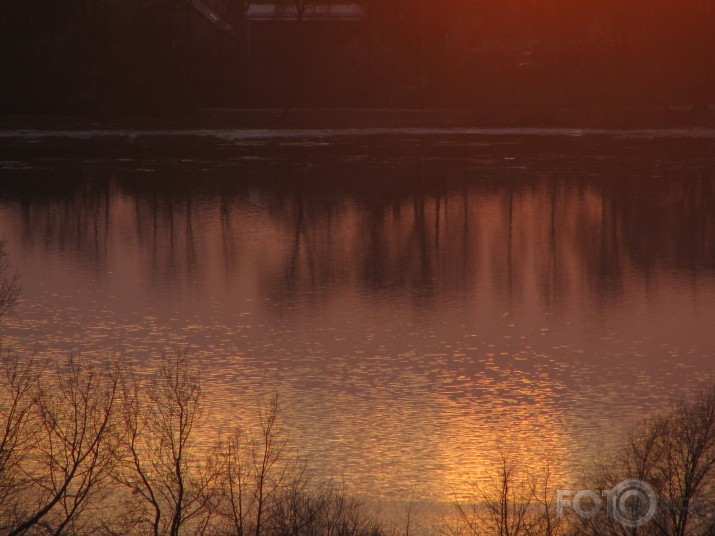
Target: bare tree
pixel 546 520
pixel 18 401
pixel 266 455
pixel 172 483
pixel 685 472
pixel 513 503
pixel 68 436
pixel 498 508
pixel 257 468
pixel 237 490
pixel 74 448
pixel 674 454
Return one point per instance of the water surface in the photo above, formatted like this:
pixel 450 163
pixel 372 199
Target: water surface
pixel 419 299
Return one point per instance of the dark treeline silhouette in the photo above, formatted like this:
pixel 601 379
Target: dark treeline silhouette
pixel 113 55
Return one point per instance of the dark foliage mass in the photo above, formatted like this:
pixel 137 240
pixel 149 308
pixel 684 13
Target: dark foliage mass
pixel 137 55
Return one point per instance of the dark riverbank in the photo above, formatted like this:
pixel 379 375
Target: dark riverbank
pixel 446 118
pixel 229 118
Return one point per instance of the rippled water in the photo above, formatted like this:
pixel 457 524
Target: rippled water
pixel 419 299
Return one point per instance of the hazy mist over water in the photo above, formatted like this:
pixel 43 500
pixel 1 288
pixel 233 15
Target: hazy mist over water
pixel 418 300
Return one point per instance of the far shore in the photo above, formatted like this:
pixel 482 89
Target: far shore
pixel 361 118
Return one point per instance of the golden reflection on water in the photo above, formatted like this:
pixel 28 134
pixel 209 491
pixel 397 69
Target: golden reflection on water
pixel 411 336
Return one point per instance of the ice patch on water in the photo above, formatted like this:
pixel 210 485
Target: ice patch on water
pixel 15 164
pixel 322 134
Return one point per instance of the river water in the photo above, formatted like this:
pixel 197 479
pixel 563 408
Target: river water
pixel 419 299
